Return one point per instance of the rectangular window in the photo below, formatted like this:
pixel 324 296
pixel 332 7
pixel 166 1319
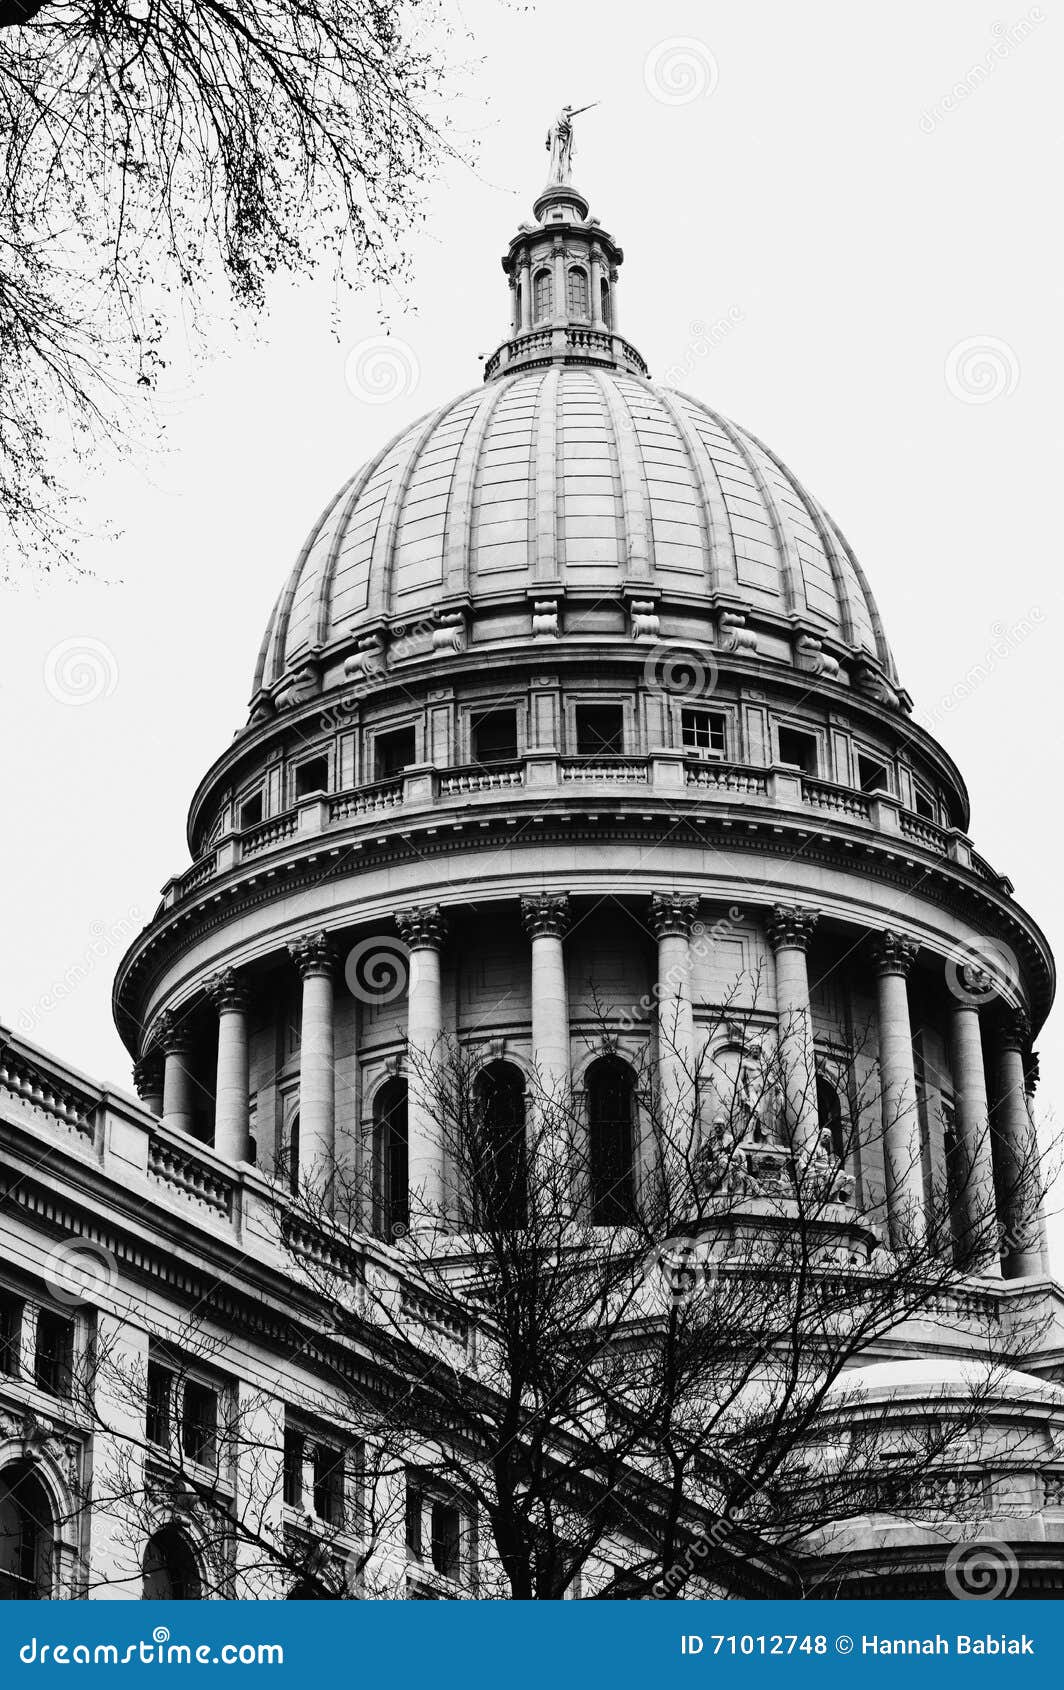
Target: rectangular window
pixel 199 1423
pixel 924 804
pixel 703 732
pixel 394 751
pixel 495 737
pixel 328 1484
pixel 53 1361
pixel 312 776
pixel 10 1334
pixel 599 730
pixel 157 1408
pixel 293 1467
pixel 797 750
pixel 251 811
pixel 446 1540
pixel 872 774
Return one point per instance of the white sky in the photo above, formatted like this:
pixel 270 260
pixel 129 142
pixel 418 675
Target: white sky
pixel 816 197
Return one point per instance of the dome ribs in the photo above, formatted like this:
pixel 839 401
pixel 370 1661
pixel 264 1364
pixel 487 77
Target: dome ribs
pixel 790 563
pixel 637 542
pixel 713 509
pixel 546 569
pixel 382 561
pixel 458 530
pixel 354 491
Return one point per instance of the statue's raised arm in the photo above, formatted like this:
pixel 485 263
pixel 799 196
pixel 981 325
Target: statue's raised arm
pixel 560 144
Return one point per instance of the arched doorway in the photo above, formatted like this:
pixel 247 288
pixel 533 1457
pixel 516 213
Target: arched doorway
pixel 610 1087
pixel 498 1167
pixel 171 1571
pixel 27 1536
pixel 392 1158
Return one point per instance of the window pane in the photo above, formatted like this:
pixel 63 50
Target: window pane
pixel 541 295
pixel 599 730
pixel 199 1423
pixel 578 295
pixel 395 751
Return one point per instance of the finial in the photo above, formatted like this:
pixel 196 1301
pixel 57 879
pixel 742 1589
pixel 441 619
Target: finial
pixel 560 144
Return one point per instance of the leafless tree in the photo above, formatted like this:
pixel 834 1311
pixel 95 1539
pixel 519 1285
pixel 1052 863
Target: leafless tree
pixel 158 157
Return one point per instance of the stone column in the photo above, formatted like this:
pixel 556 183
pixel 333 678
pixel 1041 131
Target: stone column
pixel 597 320
pixel 175 1041
pixel 976 1170
pixel 892 958
pixel 423 930
pixel 314 958
pixel 672 916
pixel 525 273
pixel 148 1079
pixel 561 293
pixel 615 327
pixel 1019 1198
pixel 546 918
pixel 790 930
pixel 229 996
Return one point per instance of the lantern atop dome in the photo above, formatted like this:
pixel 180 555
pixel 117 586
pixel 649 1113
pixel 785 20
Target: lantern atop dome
pixel 563 274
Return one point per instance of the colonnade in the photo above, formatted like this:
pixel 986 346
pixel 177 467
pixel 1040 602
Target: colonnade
pixel 995 1174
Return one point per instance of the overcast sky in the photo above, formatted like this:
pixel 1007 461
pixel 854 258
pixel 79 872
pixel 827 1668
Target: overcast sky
pixel 841 227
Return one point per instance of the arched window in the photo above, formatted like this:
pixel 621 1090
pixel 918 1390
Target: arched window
pixel 829 1116
pixel 578 293
pixel 171 1573
pixel 541 295
pixel 391 1149
pixel 610 1110
pixel 604 299
pixel 27 1530
pixel 498 1170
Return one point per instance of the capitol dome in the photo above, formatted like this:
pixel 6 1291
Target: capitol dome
pixel 578 478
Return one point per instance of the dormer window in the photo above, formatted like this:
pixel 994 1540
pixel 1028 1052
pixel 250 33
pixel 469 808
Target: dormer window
pixel 541 296
pixel 578 293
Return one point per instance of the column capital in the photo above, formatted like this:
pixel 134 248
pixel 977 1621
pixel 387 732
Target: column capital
pixel 172 1037
pixel 673 914
pixel 893 953
pixel 148 1075
pixel 423 928
pixel 791 926
pixel 227 990
pixel 1013 1032
pixel 313 954
pixel 546 915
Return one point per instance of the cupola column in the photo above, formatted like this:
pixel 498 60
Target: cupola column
pixel 175 1042
pixel 229 995
pixel 892 957
pixel 672 915
pixel 546 917
pixel 976 1173
pixel 1019 1175
pixel 423 931
pixel 524 275
pixel 148 1079
pixel 790 931
pixel 314 958
pixel 561 302
pixel 597 319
